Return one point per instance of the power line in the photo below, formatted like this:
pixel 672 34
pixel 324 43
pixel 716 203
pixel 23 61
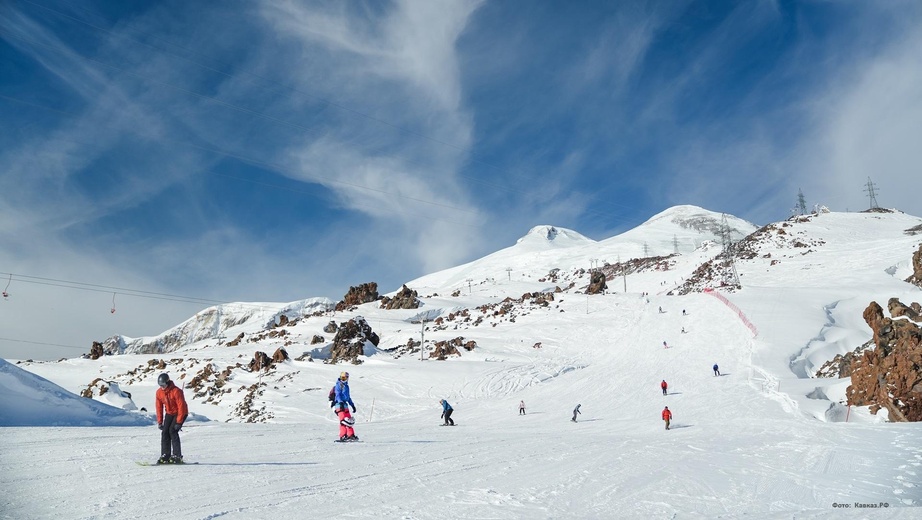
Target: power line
pixel 13 340
pixel 70 284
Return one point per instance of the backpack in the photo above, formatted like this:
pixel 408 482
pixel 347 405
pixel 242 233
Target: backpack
pixel 333 393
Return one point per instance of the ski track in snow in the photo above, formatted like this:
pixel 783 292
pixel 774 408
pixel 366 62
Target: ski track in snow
pixel 746 444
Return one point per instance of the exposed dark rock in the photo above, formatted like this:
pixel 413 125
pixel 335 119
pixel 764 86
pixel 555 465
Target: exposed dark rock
pixel 443 349
pixel 279 355
pixel 890 375
pixel 317 339
pixel 357 295
pixel 350 339
pixel 96 351
pixel 260 361
pixel 405 298
pixel 596 283
pixel 916 277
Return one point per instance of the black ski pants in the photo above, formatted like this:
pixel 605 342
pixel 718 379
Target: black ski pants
pixel 169 438
pixel 448 419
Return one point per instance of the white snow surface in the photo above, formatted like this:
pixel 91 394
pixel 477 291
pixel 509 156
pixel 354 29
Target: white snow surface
pixel 763 440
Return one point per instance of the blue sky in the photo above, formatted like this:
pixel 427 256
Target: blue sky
pixel 273 151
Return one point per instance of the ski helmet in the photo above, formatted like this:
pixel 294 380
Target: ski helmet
pixel 163 379
pixel 344 376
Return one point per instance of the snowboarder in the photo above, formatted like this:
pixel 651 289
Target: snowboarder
pixel 521 407
pixel 576 412
pixel 446 413
pixel 683 312
pixel 667 416
pixel 660 310
pixel 171 413
pixel 665 345
pixel 664 386
pixel 716 370
pixel 343 402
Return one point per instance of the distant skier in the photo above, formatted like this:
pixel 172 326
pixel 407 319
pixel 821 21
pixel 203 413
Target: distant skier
pixel 683 312
pixel 683 330
pixel 667 416
pixel 343 402
pixel 446 413
pixel 576 412
pixel 716 370
pixel 171 413
pixel 664 386
pixel 521 407
pixel 665 345
pixel 660 310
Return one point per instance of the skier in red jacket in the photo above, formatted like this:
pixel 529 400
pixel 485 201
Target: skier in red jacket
pixel 171 413
pixel 667 416
pixel 664 386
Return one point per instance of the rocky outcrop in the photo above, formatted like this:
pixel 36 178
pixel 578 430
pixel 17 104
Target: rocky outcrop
pixel 890 375
pixel 96 351
pixel 357 295
pixel 317 339
pixel 916 277
pixel 841 365
pixel 331 327
pixel 596 283
pixel 260 361
pixel 443 349
pixel 405 298
pixel 350 339
pixel 279 355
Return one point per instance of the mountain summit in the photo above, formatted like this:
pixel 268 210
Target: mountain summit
pixel 554 236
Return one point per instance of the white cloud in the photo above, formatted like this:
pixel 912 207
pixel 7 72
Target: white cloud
pixel 870 127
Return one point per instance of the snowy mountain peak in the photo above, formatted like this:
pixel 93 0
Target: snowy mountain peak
pixel 558 235
pixel 695 218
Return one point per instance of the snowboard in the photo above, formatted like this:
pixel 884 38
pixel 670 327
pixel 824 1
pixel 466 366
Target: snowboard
pixel 345 442
pixel 142 463
pixel 443 424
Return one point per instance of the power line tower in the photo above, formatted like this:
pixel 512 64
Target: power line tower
pixel 730 277
pixel 869 188
pixel 675 244
pixel 801 202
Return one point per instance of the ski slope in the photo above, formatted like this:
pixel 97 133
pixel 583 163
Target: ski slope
pixel 762 441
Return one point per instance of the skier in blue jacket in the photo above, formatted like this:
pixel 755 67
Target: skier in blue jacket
pixel 341 397
pixel 446 413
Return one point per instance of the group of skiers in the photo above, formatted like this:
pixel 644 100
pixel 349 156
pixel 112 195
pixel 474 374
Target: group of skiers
pixel 172 411
pixel 667 414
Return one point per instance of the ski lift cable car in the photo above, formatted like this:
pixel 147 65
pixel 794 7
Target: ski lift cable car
pixel 112 310
pixel 6 294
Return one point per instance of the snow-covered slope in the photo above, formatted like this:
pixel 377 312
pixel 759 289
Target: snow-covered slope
pixel 30 400
pixel 763 440
pixel 543 248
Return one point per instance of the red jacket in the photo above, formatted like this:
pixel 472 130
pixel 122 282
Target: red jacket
pixel 663 385
pixel 667 415
pixel 171 399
